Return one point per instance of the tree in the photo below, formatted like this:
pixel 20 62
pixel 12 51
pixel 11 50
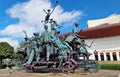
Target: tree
pixel 6 51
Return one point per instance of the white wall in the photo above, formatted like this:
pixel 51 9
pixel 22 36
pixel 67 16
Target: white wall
pixel 109 43
pixel 104 44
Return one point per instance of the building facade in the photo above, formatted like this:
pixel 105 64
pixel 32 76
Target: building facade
pixel 106 45
pixel 107 35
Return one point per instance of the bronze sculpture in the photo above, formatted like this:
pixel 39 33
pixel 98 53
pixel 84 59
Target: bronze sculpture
pixel 49 51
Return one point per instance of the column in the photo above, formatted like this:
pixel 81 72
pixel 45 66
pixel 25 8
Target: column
pixel 118 56
pixel 111 56
pixel 105 58
pixel 99 58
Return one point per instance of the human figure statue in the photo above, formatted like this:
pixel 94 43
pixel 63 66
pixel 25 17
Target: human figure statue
pixel 37 46
pixel 27 44
pixel 26 49
pixel 61 48
pixel 36 49
pixel 73 39
pixel 47 39
pixel 54 25
pixel 48 13
pixel 62 51
pixel 74 34
pixel 75 31
pixel 83 49
pixel 66 43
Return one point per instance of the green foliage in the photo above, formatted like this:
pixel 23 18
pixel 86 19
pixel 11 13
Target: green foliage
pixel 5 47
pixel 110 66
pixel 6 51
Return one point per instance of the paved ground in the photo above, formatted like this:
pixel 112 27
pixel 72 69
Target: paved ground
pixel 78 73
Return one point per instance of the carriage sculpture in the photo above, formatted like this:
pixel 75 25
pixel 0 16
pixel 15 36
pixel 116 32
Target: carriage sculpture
pixel 51 51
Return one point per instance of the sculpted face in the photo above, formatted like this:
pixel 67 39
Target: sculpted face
pixel 46 27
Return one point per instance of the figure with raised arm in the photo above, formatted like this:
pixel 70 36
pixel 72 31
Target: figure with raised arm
pixel 83 49
pixel 26 49
pixel 48 13
pixel 75 31
pixel 27 44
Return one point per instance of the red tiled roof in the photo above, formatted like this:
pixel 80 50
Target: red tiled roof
pixel 99 31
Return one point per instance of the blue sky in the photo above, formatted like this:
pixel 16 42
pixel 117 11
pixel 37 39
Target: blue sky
pixel 16 15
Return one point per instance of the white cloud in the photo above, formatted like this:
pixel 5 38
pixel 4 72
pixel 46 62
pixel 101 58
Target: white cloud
pixel 62 16
pixel 114 14
pixel 12 42
pixel 30 14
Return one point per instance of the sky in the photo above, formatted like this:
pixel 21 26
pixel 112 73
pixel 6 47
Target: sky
pixel 19 15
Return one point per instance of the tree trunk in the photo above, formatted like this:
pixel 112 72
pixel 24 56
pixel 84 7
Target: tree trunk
pixel 0 63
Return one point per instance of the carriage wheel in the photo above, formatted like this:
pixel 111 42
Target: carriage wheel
pixel 68 68
pixel 92 67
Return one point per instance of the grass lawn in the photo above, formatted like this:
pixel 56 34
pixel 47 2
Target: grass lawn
pixel 110 66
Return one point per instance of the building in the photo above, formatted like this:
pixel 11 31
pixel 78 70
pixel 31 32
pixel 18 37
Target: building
pixel 104 21
pixel 106 31
pixel 107 41
pixel 106 38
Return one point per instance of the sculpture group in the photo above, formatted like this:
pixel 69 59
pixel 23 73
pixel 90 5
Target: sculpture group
pixel 53 51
